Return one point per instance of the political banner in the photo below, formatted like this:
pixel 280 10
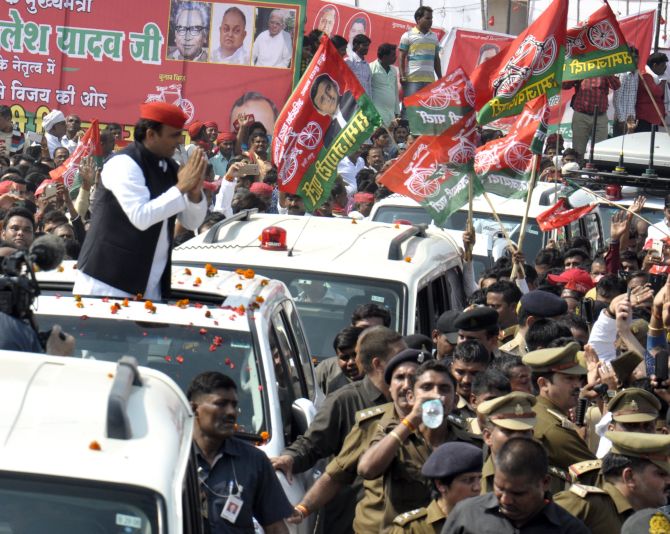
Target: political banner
pixel 505 165
pixel 328 117
pixel 530 66
pixel 102 59
pixel 596 48
pixel 441 104
pixel 435 171
pixel 89 145
pixel 348 21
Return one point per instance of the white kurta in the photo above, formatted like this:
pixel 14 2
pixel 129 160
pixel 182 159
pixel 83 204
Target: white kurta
pixel 53 143
pixel 272 51
pixel 125 180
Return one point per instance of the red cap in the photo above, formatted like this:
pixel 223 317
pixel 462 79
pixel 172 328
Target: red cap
pixel 261 188
pixel 574 279
pixel 5 186
pixel 226 136
pixel 195 127
pixel 364 197
pixel 211 124
pixel 164 113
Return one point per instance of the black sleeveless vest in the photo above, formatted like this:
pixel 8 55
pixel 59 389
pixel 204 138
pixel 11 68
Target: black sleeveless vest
pixel 115 251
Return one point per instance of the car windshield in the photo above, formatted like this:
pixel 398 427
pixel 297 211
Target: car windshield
pixel 414 214
pixel 484 223
pixel 181 352
pixel 326 302
pixel 63 506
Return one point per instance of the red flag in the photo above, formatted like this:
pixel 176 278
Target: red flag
pixel 639 32
pixel 528 67
pixel 89 145
pixel 560 214
pixel 596 48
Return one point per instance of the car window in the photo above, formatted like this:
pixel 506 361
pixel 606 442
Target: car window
pixel 288 353
pixel 304 357
pixel 457 299
pixel 485 224
pixel 181 352
pixel 422 323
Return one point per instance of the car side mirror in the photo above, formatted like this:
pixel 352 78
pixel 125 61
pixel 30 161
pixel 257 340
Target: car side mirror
pixel 303 412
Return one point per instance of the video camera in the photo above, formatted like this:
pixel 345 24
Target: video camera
pixel 18 285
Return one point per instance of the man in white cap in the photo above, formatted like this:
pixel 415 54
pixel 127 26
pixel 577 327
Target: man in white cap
pixel 53 124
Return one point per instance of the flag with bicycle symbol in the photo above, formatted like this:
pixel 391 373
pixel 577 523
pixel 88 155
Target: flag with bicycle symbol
pixel 504 165
pixel 327 117
pixel 528 67
pixel 439 105
pixel 596 48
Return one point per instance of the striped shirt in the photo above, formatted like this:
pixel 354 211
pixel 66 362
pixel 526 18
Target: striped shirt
pixel 421 50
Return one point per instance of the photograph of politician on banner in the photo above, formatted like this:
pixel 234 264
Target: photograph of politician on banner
pixel 188 38
pixel 327 20
pixel 232 31
pixel 359 23
pixel 273 37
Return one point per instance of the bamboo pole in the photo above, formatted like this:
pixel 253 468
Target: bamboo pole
pixel 524 222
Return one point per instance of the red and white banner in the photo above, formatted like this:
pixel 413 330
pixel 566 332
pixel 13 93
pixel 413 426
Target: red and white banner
pixel 348 21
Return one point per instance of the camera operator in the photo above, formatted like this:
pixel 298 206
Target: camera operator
pixel 18 288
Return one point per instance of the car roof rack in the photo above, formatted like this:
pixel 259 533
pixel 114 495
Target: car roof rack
pixel 242 215
pixel 127 375
pixel 395 249
pixel 603 178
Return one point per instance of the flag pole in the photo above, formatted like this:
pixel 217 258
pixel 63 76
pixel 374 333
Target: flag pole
pixel 469 225
pixel 524 222
pixel 510 243
pixel 615 204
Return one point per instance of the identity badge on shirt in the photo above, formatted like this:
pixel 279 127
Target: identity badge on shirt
pixel 232 508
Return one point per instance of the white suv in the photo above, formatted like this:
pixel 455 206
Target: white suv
pixel 332 265
pixel 94 447
pixel 239 323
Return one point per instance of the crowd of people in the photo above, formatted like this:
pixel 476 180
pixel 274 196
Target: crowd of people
pixel 553 397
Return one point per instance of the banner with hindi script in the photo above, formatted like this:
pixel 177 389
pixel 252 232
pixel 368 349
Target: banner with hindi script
pixel 528 67
pixel 328 117
pixel 102 59
pixel 435 171
pixel 596 48
pixel 504 165
pixel 437 106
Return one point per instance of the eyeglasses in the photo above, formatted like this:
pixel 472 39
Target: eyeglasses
pixel 193 31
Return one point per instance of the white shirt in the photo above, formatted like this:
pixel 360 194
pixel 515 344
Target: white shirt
pixel 70 144
pixel 660 230
pixel 348 171
pixel 272 51
pixel 239 57
pixel 125 180
pixel 53 143
pixel 224 198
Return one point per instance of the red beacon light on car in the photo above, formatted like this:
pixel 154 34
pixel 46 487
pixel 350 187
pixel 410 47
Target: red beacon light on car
pixel 403 221
pixel 273 238
pixel 613 192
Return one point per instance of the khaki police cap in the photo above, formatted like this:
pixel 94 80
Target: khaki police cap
pixel 652 447
pixel 556 360
pixel 634 405
pixel 513 411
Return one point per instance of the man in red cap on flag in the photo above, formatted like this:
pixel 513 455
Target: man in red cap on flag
pixel 142 192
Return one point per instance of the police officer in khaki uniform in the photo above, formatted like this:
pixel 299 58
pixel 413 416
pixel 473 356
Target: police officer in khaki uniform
pixel 631 410
pixel 559 379
pixel 637 476
pixel 536 304
pixel 455 470
pixel 341 470
pixel 402 445
pixel 503 418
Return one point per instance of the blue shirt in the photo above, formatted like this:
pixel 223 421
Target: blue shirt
pixel 220 164
pixel 245 471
